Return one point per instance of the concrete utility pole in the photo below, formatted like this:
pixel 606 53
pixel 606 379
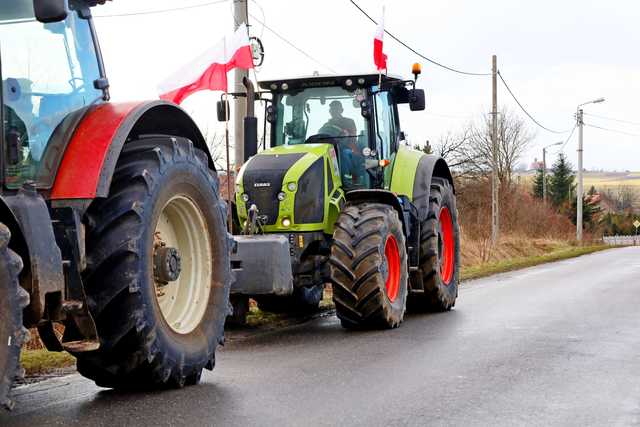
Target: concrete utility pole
pixel 580 124
pixel 579 117
pixel 240 14
pixel 495 214
pixel 544 171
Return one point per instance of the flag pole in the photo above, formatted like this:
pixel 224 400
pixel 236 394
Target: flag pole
pixel 380 69
pixel 229 176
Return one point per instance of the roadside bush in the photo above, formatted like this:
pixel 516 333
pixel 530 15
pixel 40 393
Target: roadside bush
pixel 527 226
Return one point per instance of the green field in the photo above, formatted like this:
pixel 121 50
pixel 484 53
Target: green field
pixel 613 180
pixel 600 180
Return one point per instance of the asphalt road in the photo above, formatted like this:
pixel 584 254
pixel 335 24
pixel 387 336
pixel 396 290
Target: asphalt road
pixel 557 344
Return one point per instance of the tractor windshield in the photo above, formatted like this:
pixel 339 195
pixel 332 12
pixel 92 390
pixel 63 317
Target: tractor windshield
pixel 326 114
pixel 48 72
pixel 330 111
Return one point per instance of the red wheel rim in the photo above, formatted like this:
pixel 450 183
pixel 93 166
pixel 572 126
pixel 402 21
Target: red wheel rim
pixel 447 251
pixel 392 254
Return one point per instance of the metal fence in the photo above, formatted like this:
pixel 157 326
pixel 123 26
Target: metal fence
pixel 621 240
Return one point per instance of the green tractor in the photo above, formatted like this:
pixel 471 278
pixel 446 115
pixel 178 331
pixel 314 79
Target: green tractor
pixel 338 197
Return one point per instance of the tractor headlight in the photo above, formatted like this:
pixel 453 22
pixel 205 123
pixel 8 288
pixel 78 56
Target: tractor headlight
pixel 245 197
pixel 281 196
pixel 286 222
pixel 292 186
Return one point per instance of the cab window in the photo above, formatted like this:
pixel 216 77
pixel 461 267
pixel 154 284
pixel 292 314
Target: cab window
pixel 385 125
pixel 48 71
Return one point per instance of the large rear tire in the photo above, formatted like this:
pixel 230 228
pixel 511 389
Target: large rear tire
pixel 439 251
pixel 159 316
pixel 12 300
pixel 368 267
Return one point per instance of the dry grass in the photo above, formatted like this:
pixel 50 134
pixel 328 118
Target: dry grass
pixel 36 362
pixel 555 251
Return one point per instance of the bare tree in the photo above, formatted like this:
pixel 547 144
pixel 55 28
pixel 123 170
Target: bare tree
pixel 513 140
pixel 626 197
pixel 217 148
pixel 452 148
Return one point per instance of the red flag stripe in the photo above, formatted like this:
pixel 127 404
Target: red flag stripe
pixel 208 71
pixel 214 77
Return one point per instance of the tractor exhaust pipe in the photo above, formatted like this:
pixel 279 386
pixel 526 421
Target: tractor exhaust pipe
pixel 250 122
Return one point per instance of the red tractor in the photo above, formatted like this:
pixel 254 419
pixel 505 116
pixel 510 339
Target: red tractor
pixel 111 222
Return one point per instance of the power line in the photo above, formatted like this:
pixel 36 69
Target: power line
pixel 284 39
pixel 524 109
pixel 614 120
pixel 434 62
pixel 613 130
pixel 153 12
pixel 568 138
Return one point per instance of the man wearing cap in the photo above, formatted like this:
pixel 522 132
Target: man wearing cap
pixel 338 125
pixel 344 128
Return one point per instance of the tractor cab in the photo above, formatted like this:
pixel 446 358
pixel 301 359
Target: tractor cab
pixel 354 113
pixel 51 72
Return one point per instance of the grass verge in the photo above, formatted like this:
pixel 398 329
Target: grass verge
pixel 502 266
pixel 36 362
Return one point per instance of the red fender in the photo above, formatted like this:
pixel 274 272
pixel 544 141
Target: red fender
pixel 91 155
pixel 85 155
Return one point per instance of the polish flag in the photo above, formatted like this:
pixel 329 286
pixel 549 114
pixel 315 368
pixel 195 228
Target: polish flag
pixel 379 57
pixel 209 70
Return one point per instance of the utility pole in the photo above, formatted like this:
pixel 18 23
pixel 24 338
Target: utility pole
pixel 580 124
pixel 579 117
pixel 544 175
pixel 240 14
pixel 495 214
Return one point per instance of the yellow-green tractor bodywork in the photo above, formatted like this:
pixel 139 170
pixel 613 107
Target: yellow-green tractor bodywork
pixel 334 195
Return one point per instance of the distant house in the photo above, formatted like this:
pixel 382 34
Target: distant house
pixel 536 164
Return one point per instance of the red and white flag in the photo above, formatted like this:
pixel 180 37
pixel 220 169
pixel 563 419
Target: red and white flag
pixel 379 57
pixel 209 70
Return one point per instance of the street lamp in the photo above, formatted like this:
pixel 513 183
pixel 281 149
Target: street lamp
pixel 544 170
pixel 580 124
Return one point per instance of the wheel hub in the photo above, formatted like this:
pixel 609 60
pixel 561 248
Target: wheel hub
pixel 182 264
pixel 167 265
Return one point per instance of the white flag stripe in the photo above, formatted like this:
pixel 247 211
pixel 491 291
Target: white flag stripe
pixel 221 53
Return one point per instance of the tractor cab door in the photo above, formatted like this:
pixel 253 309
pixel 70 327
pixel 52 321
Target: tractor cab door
pixel 48 72
pixel 386 134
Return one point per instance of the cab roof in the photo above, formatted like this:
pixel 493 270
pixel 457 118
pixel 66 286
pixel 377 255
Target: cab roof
pixel 304 82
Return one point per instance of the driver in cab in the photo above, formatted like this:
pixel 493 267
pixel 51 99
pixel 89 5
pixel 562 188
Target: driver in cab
pixel 345 129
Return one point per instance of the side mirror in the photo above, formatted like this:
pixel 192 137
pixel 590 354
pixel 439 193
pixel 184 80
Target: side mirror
pixel 417 100
pixel 222 109
pixel 48 11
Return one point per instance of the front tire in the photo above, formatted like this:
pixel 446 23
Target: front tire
pixel 368 267
pixel 12 300
pixel 155 329
pixel 439 251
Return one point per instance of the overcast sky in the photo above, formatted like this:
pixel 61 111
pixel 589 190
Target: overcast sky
pixel 553 54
